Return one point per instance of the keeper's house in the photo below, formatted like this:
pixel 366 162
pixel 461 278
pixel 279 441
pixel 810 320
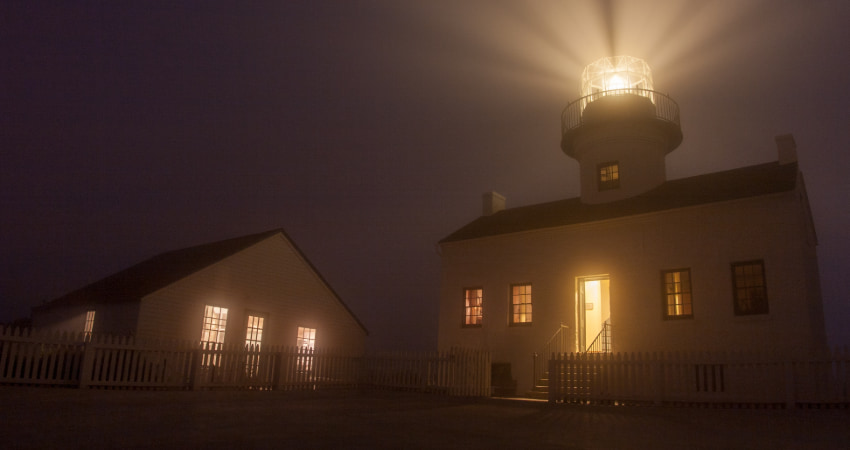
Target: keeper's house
pixel 256 289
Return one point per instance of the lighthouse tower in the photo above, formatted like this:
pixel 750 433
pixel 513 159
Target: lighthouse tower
pixel 620 130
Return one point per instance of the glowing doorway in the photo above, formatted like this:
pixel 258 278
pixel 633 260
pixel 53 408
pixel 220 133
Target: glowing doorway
pixel 594 314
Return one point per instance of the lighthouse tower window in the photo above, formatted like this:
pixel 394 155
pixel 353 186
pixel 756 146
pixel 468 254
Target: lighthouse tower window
pixel 609 176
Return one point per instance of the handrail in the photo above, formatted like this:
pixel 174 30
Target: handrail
pixel 666 109
pixel 558 343
pixel 602 342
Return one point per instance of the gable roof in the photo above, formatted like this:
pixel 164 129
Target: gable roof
pixel 148 276
pixel 698 190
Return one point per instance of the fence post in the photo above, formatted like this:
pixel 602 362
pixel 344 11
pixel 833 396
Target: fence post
pixel 195 371
pixel 658 376
pixel 554 379
pixel 790 402
pixel 88 364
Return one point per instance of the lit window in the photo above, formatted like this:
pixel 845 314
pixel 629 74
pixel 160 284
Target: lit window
pixel 521 304
pixel 89 326
pixel 305 342
pixel 212 336
pixel 473 307
pixel 253 340
pixel 254 334
pixel 306 338
pixel 609 175
pixel 678 302
pixel 749 289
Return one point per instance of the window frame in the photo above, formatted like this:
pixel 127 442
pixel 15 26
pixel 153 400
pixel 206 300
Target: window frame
pixel 689 294
pixel 610 184
pixel 305 342
pixel 512 312
pixel 88 325
pixel 254 331
pixel 750 289
pixel 305 346
pixel 254 341
pixel 467 309
pixel 213 324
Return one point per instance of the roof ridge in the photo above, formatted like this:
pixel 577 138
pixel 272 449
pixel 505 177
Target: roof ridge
pixel 741 182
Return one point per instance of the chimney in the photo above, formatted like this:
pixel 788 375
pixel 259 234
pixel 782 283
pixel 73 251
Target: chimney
pixel 493 203
pixel 787 149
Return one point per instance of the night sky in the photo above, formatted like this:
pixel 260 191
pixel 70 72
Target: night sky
pixel 370 129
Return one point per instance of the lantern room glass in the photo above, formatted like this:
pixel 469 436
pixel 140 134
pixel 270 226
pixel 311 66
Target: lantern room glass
pixel 618 74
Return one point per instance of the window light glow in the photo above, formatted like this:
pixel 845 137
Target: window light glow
pixel 212 334
pixel 306 338
pixel 521 304
pixel 306 341
pixel 473 307
pixel 89 326
pixel 253 340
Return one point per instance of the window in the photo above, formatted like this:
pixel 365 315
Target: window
pixel 253 340
pixel 254 334
pixel 212 335
pixel 521 304
pixel 89 326
pixel 306 338
pixel 749 289
pixel 676 292
pixel 609 175
pixel 305 342
pixel 473 306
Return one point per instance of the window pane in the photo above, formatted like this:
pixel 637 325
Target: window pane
pixel 521 304
pixel 676 293
pixel 473 307
pixel 750 293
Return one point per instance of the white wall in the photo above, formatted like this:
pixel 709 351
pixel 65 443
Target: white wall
pixel 269 278
pixel 633 252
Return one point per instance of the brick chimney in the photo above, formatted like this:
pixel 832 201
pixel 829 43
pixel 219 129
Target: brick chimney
pixel 786 148
pixel 493 203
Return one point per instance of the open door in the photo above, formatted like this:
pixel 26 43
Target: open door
pixel 594 314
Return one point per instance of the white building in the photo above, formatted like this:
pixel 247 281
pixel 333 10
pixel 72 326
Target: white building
pixel 256 290
pixel 722 261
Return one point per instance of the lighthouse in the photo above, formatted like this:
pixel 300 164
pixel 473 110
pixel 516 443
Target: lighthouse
pixel 620 130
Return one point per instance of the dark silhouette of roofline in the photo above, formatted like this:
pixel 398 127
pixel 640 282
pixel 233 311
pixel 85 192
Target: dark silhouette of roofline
pixel 146 277
pixel 704 189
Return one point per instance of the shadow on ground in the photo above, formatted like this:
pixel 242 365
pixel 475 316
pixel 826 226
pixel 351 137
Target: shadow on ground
pixel 71 418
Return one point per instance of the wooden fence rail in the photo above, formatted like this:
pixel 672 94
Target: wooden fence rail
pixel 720 378
pixel 85 361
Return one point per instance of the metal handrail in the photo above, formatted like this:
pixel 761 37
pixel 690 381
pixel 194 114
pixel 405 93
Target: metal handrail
pixel 602 342
pixel 558 343
pixel 666 109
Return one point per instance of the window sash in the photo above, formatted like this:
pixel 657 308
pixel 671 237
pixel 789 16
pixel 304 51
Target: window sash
pixel 749 288
pixel 677 294
pixel 521 306
pixel 473 307
pixel 608 175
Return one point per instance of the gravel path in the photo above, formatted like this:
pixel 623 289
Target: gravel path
pixel 71 418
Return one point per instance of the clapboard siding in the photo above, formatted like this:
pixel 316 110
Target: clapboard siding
pixel 270 277
pixel 633 251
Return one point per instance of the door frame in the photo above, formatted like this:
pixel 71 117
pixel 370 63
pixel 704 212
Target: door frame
pixel 581 304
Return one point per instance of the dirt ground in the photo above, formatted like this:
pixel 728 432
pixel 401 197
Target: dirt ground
pixel 71 418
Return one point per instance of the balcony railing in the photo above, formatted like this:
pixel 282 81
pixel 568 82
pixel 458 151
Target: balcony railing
pixel 666 108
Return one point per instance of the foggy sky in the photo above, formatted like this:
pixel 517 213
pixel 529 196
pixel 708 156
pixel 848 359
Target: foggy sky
pixel 370 129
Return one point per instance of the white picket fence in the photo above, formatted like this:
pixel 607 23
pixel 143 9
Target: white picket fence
pixel 731 379
pixel 74 359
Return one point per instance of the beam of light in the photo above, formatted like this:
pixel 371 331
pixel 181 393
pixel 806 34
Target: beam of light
pixel 545 44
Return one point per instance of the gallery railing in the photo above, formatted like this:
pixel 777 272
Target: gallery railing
pixel 666 109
